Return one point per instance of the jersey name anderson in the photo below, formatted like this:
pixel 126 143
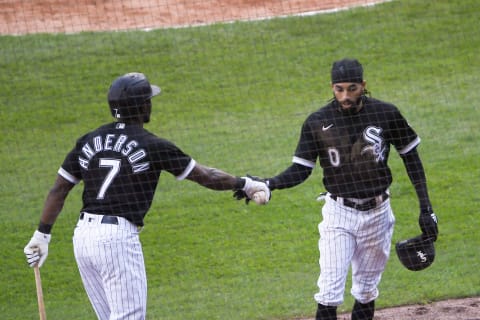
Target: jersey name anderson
pixel 115 143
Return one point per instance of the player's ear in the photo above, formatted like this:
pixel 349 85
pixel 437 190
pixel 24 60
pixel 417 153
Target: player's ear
pixel 146 107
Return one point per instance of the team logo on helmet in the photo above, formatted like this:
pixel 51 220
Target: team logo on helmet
pixel 422 256
pixel 416 253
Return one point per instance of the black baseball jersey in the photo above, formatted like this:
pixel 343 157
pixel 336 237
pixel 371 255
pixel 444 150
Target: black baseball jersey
pixel 353 149
pixel 120 165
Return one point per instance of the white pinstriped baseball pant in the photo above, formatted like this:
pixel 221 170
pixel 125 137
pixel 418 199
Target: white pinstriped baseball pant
pixel 111 264
pixel 361 239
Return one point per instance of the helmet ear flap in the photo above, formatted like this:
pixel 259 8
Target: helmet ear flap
pixel 416 253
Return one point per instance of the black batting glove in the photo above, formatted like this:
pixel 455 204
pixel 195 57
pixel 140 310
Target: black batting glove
pixel 428 223
pixel 240 194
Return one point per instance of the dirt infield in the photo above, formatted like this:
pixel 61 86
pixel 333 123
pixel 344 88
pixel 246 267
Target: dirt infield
pixel 71 16
pixel 67 16
pixel 453 309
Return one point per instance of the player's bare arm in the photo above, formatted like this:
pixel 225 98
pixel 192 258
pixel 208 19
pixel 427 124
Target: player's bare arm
pixel 54 203
pixel 215 179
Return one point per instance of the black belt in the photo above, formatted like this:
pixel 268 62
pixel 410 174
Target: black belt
pixel 368 205
pixel 105 219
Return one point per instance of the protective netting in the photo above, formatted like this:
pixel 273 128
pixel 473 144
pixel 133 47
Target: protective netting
pixel 238 79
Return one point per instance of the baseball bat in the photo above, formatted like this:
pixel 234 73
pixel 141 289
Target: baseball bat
pixel 38 283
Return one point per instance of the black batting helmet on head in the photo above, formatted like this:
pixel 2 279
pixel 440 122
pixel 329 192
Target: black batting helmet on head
pixel 416 253
pixel 128 93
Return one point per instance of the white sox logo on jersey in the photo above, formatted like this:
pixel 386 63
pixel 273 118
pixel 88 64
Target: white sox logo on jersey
pixel 373 136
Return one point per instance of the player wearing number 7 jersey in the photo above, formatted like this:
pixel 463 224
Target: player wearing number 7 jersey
pixel 120 164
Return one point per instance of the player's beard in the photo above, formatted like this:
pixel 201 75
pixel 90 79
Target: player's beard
pixel 352 108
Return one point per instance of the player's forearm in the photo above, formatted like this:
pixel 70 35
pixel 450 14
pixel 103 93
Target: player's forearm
pixel 52 208
pixel 219 180
pixel 422 194
pixel 416 173
pixel 54 204
pixel 292 176
pixel 215 179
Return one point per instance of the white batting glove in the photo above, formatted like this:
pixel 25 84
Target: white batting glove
pixel 252 186
pixel 36 250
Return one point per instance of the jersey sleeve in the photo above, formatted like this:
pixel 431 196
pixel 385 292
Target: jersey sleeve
pixel 306 152
pixel 402 135
pixel 70 168
pixel 167 156
pixel 187 170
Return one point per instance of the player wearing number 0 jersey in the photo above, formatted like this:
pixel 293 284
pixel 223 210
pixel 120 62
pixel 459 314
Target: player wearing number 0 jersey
pixel 351 137
pixel 120 164
pixel 353 149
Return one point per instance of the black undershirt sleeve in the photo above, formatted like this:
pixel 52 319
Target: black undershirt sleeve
pixel 292 176
pixel 416 173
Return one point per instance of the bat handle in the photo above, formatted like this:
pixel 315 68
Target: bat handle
pixel 38 283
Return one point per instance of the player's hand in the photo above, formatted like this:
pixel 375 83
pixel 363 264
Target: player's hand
pixel 36 250
pixel 428 224
pixel 252 185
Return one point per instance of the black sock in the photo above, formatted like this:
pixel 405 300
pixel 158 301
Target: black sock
pixel 326 312
pixel 363 311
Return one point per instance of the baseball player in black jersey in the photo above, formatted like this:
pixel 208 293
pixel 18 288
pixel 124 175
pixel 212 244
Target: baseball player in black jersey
pixel 120 164
pixel 351 137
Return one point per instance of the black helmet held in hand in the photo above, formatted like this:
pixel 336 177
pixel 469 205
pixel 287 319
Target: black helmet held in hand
pixel 416 253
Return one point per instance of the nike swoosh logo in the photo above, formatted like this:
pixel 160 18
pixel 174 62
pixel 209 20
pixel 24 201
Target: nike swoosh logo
pixel 327 127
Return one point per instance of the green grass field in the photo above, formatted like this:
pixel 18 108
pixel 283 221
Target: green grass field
pixel 234 97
